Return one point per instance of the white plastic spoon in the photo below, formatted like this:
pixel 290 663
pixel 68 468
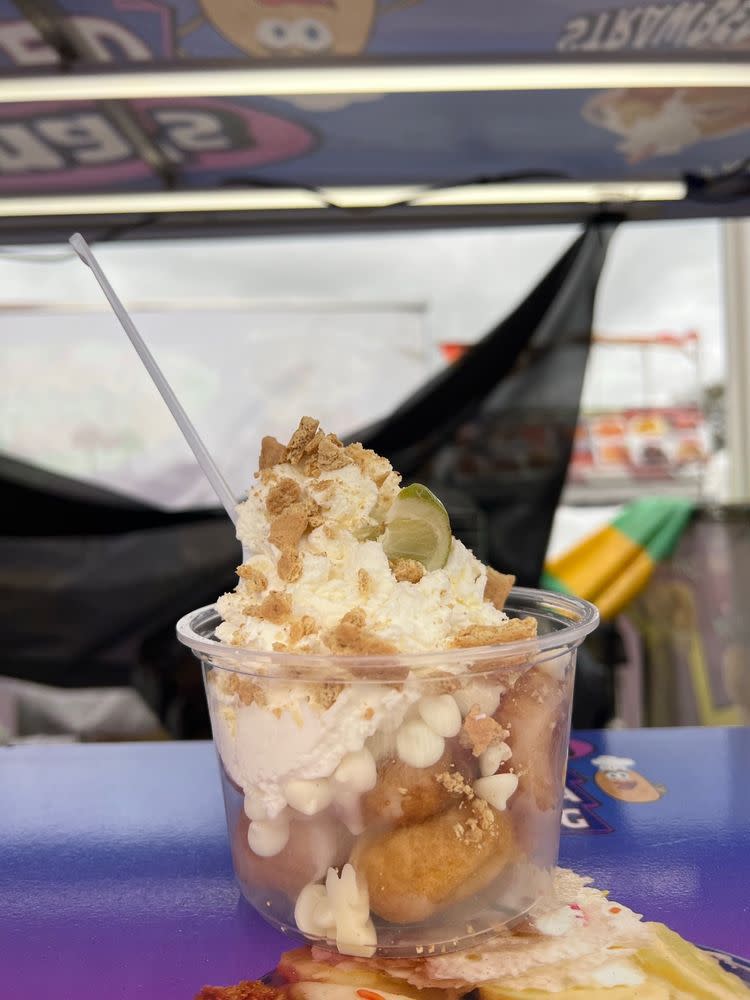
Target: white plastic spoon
pixel 206 462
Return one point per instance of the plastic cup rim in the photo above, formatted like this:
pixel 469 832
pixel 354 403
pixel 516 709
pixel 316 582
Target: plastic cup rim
pixel 583 615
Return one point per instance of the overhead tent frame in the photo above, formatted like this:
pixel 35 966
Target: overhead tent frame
pixel 397 75
pixel 264 207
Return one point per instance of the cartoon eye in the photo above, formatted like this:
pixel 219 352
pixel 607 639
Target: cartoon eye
pixel 618 775
pixel 274 33
pixel 311 35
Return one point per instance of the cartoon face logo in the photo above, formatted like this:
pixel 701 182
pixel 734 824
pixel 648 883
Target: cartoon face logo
pixel 616 777
pixel 279 29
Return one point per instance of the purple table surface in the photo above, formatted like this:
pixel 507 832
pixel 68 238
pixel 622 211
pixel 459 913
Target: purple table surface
pixel 116 882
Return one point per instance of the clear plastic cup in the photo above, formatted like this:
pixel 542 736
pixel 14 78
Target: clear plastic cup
pixel 401 804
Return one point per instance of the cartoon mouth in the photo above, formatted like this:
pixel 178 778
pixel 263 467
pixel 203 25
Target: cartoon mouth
pixel 620 783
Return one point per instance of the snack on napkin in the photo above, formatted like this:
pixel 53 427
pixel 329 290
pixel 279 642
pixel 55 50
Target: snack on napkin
pixel 578 945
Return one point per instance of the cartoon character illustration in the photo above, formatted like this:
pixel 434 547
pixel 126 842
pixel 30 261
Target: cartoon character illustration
pixel 282 29
pixel 616 777
pixel 664 121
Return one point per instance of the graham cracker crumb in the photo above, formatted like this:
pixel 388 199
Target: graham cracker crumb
pixel 347 639
pixel 288 528
pixel 480 731
pixel 326 694
pixel 364 582
pixel 323 486
pixel 238 636
pixel 314 513
pixel 473 834
pixel 254 581
pixel 272 452
pixel 305 433
pixel 355 617
pixel 289 566
pixel 246 690
pixel 368 713
pixel 301 628
pixel 275 608
pixel 280 647
pixel 455 784
pixel 485 815
pixel 284 494
pixel 309 465
pixel 407 570
pixel 490 635
pixel 498 587
pixel 369 463
pixel 331 455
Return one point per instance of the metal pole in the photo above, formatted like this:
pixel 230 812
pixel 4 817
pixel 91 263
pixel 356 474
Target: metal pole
pixel 736 247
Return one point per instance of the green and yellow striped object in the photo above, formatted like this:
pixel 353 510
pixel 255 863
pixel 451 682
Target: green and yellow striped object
pixel 611 566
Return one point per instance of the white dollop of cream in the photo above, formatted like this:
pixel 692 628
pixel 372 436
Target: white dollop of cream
pixel 414 617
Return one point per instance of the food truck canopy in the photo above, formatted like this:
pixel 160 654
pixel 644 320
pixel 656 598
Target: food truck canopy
pixel 188 116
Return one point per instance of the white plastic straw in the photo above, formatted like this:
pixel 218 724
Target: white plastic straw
pixel 207 464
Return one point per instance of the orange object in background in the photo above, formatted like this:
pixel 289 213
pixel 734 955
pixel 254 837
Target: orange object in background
pixel 452 351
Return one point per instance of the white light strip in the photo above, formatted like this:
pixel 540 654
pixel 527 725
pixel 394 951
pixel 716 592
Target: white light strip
pixel 398 79
pixel 294 199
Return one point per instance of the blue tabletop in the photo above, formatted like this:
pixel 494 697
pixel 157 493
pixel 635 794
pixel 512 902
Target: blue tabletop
pixel 116 880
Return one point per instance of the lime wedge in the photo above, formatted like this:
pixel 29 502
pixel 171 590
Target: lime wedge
pixel 418 527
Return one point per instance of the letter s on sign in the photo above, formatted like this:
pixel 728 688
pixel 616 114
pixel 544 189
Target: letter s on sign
pixel 193 131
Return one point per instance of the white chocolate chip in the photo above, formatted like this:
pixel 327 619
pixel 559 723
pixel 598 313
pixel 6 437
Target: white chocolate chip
pixel 360 940
pixel 269 836
pixel 340 908
pixel 323 915
pixel 417 745
pixel 491 759
pixel 486 696
pixel 357 771
pixel 496 789
pixel 312 914
pixel 308 797
pixel 441 713
pixel 350 814
pixel 255 808
pixel 348 895
pixel 350 906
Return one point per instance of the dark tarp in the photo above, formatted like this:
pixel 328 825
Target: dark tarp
pixel 90 580
pixel 493 433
